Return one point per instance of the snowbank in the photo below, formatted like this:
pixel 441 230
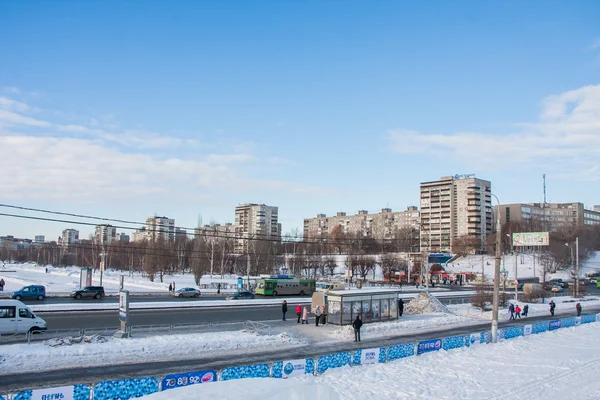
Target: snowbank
pixel 552 365
pixel 423 303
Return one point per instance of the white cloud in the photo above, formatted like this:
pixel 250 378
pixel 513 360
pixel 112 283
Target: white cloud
pixel 10 118
pixel 12 105
pixel 596 44
pixel 568 127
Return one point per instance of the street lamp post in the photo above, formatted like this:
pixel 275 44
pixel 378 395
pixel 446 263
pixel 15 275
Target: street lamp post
pixel 496 274
pixel 426 257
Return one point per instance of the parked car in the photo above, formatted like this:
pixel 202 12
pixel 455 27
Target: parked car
pixel 88 292
pixel 243 295
pixel 15 317
pixel 187 292
pixel 30 292
pixel 594 281
pixel 557 289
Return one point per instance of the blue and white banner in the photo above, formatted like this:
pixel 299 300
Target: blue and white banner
pixel 577 321
pixel 554 325
pixel 598 317
pixel 173 381
pixel 293 368
pixel 429 345
pixel 474 339
pixel 58 393
pixel 527 330
pixel 369 356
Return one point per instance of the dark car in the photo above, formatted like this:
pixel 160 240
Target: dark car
pixel 241 296
pixel 88 292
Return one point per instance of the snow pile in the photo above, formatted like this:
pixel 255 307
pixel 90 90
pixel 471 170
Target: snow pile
pixel 425 303
pixel 37 357
pixel 521 368
pixel 70 340
pixel 408 324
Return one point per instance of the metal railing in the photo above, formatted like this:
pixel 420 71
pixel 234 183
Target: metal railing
pixel 258 327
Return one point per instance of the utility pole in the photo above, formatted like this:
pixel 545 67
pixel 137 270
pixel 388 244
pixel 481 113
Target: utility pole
pixel 577 267
pixel 496 275
pixel 516 275
pixel 102 260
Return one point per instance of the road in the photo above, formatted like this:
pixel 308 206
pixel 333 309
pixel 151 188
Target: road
pixel 90 375
pixel 107 319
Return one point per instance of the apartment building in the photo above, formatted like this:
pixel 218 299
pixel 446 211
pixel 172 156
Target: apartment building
pixel 39 239
pixel 548 217
pixel 215 230
pixel 69 236
pixel 105 234
pixel 453 207
pixel 381 225
pixel 162 228
pixel 255 221
pixel 140 235
pixel 597 209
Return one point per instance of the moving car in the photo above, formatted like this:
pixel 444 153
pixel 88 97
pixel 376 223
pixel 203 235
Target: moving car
pixel 88 292
pixel 30 292
pixel 15 317
pixel 557 289
pixel 187 292
pixel 243 295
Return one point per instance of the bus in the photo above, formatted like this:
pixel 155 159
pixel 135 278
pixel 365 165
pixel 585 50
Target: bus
pixel 285 287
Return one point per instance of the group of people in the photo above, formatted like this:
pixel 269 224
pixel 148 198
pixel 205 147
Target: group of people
pixel 515 311
pixel 302 313
pixel 172 287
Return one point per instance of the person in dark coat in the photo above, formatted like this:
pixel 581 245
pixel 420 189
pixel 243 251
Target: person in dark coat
pixel 400 307
pixel 170 288
pixel 552 307
pixel 357 325
pixel 2 283
pixel 317 315
pixel 219 288
pixel 284 308
pixel 525 310
pixel 511 309
pixel 578 308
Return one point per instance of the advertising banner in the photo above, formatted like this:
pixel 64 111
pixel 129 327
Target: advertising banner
pixel 123 305
pixel 577 321
pixel 173 381
pixel 531 239
pixel 369 356
pixel 58 393
pixel 293 368
pixel 527 330
pixel 598 317
pixel 474 339
pixel 554 325
pixel 429 345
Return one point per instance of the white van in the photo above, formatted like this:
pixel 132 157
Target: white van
pixel 15 317
pixel 327 286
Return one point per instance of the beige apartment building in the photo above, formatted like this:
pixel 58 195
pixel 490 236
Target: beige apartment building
pixel 105 234
pixel 215 230
pixel 381 225
pixel 549 217
pixel 453 207
pixel 255 221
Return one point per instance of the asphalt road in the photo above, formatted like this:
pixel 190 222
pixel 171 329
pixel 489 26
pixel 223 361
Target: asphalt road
pixel 109 319
pixel 23 380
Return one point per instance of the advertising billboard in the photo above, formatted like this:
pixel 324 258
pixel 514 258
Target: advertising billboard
pixel 531 239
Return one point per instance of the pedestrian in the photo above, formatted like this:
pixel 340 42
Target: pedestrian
pixel 511 309
pixel 525 310
pixel 170 288
pixel 2 283
pixel 400 307
pixel 299 312
pixel 356 325
pixel 284 308
pixel 578 308
pixel 173 287
pixel 552 307
pixel 305 315
pixel 317 315
pixel 219 288
pixel 517 312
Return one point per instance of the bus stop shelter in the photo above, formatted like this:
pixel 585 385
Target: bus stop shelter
pixel 373 305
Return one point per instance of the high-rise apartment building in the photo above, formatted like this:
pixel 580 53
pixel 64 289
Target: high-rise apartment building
pixel 255 221
pixel 453 207
pixel 69 236
pixel 160 228
pixel 548 217
pixel 105 234
pixel 216 230
pixel 383 225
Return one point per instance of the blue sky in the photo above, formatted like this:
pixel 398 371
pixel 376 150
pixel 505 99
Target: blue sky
pixel 127 109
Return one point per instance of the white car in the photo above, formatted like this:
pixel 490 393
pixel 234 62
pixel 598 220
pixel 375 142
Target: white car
pixel 15 317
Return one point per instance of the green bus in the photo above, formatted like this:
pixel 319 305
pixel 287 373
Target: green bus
pixel 285 287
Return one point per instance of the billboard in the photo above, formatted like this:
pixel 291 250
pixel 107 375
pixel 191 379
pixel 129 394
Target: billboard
pixel 530 239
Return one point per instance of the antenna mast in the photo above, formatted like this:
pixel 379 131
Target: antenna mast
pixel 544 176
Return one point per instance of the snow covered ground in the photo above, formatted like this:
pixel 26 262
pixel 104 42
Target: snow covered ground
pixel 66 279
pixel 552 365
pixel 38 357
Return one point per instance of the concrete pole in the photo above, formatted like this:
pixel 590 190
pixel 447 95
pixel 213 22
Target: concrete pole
pixel 516 276
pixel 496 275
pixel 102 261
pixel 577 267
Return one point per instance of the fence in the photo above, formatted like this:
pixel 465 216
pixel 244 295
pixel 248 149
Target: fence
pixel 131 388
